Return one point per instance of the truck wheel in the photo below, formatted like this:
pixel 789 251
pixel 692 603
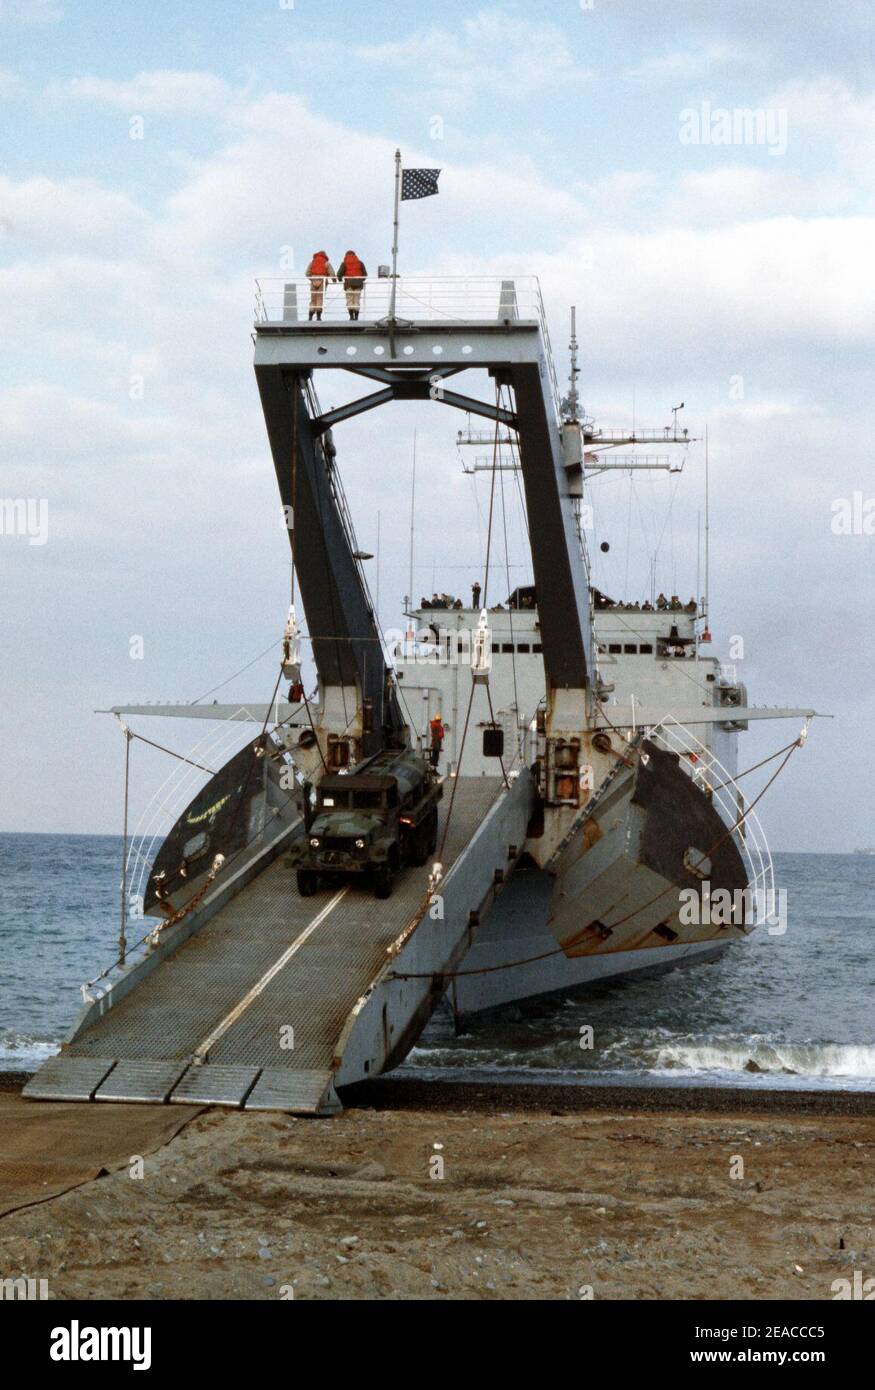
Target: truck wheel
pixel 383 882
pixel 425 840
pixel 308 882
pixel 419 846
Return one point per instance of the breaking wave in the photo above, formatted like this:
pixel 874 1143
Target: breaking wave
pixel 20 1052
pixel 760 1055
pixel 660 1054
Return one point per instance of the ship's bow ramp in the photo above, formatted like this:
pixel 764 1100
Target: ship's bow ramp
pixel 275 1000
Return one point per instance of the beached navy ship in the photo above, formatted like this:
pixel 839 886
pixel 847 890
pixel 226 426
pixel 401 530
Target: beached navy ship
pixel 587 766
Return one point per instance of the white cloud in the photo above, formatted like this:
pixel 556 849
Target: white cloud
pixel 688 64
pixel 86 429
pixel 828 113
pixel 31 12
pixel 57 213
pixel 828 106
pixel 11 85
pixel 492 51
pixel 166 92
pixel 737 289
pixel 294 178
pixel 737 193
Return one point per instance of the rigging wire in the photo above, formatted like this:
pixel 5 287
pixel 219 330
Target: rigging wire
pixel 223 683
pixel 329 581
pixel 516 698
pixel 449 816
pixel 160 746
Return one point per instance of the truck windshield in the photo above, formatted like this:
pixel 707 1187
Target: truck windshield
pixel 334 801
pixel 367 801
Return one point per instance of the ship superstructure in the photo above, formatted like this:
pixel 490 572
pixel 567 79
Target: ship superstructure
pixel 651 660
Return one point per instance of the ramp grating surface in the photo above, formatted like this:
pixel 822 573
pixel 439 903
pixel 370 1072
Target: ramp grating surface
pixel 286 1088
pixel 141 1081
pixel 214 1085
pixel 293 1023
pixel 68 1078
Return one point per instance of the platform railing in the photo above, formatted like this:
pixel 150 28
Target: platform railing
pixel 184 779
pixel 710 774
pixel 419 299
pixel 466 298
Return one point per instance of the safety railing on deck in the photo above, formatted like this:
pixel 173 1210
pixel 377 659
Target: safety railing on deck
pixel 418 299
pixel 710 774
pixel 184 780
pixel 466 298
pixel 343 507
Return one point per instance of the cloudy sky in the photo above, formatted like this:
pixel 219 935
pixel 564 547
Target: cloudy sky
pixel 735 276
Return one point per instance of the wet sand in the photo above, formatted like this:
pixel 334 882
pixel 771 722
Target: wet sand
pixel 436 1191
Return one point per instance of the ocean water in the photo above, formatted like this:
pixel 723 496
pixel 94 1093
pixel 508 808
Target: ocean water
pixel 791 1010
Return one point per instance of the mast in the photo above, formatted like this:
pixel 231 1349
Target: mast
pixel 571 404
pixel 378 568
pixel 707 530
pixel 573 399
pixel 412 521
pixel 395 237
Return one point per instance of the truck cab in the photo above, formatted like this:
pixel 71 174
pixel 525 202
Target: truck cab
pixel 369 823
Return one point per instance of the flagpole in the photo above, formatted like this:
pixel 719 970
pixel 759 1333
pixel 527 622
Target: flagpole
pixel 395 237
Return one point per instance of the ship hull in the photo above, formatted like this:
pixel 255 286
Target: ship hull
pixel 515 957
pixel 612 904
pixel 648 865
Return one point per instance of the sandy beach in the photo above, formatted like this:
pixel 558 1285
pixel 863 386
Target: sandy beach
pixel 433 1191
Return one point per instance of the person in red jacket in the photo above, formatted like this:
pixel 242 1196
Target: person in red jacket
pixel 353 273
pixel 318 272
pixel 436 732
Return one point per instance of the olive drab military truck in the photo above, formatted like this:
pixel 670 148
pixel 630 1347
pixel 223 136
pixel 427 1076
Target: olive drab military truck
pixel 369 823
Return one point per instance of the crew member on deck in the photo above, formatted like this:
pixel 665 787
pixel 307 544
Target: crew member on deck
pixel 475 594
pixel 436 732
pixel 353 273
pixel 318 272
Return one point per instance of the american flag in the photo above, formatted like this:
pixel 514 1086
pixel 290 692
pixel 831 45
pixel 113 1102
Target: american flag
pixel 419 183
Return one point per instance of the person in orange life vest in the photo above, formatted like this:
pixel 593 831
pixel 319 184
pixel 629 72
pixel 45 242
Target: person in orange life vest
pixel 353 272
pixel 318 272
pixel 436 729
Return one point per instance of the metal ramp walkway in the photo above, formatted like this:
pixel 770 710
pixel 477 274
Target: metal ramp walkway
pixel 276 999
